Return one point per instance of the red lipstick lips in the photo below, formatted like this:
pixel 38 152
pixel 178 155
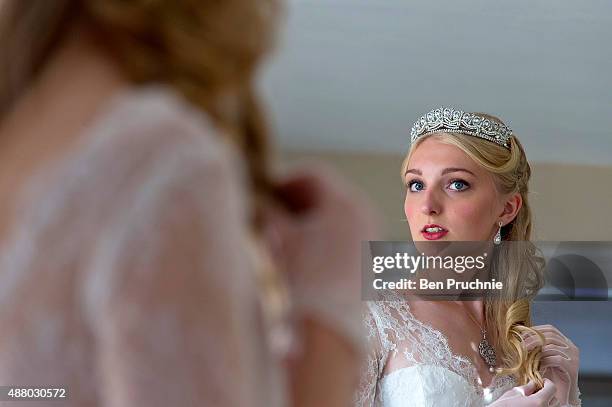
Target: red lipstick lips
pixel 433 231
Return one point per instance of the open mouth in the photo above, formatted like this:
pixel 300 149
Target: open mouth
pixel 433 232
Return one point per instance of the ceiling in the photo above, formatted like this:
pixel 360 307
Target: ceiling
pixel 352 75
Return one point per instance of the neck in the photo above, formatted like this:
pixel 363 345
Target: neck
pixel 79 73
pixel 475 308
pixel 51 114
pixel 66 95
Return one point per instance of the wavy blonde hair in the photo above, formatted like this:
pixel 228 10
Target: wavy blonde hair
pixel 520 266
pixel 204 49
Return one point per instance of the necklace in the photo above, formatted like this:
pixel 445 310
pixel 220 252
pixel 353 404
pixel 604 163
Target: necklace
pixel 486 351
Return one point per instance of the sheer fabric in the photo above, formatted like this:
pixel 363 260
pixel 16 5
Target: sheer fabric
pixel 425 371
pixel 128 263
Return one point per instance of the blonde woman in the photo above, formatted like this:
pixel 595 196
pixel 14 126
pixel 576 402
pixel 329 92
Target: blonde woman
pixel 136 198
pixel 467 179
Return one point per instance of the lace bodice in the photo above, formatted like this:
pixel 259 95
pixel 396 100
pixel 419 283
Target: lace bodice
pixel 126 279
pixel 426 385
pixel 426 371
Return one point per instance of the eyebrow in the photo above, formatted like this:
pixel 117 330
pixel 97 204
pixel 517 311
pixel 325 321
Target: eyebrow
pixel 444 171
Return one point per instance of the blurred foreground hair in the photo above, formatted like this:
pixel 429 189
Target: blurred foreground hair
pixel 208 50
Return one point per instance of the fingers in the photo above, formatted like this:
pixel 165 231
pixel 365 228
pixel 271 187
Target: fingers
pixel 546 393
pixel 552 336
pixel 558 376
pixel 548 334
pixel 308 185
pixel 554 350
pixel 299 193
pixel 526 389
pixel 553 330
pixel 532 341
pixel 554 353
pixel 319 192
pixel 554 361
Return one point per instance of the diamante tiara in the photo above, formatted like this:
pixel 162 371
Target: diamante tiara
pixel 449 120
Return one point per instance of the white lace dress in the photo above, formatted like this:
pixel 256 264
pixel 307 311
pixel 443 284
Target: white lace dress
pixel 126 277
pixel 426 372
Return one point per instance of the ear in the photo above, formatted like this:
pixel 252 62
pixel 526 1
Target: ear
pixel 512 206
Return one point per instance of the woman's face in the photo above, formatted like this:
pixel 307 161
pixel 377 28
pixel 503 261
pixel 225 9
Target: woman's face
pixel 450 192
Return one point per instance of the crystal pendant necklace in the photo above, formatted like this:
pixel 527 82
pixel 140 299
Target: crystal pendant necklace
pixel 486 351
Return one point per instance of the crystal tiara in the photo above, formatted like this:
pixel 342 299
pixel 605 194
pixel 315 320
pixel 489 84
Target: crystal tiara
pixel 451 120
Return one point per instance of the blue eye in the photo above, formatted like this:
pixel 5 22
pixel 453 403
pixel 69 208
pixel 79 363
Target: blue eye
pixel 459 185
pixel 419 186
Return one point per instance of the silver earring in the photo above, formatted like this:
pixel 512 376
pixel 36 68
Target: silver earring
pixel 497 239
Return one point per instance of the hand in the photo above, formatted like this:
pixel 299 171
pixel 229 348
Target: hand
pixel 559 362
pixel 315 236
pixel 527 396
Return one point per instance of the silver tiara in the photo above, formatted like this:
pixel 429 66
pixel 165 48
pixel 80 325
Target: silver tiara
pixel 451 120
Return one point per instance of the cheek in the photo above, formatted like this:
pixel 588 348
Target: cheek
pixel 474 220
pixel 410 211
pixel 410 208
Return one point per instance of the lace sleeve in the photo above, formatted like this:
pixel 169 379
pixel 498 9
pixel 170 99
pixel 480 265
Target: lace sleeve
pixel 372 368
pixel 170 292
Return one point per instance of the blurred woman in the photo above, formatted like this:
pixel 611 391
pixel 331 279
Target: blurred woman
pixel 139 211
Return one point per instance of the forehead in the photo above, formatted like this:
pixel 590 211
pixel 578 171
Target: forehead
pixel 432 156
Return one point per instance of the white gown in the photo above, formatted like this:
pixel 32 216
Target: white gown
pixel 427 373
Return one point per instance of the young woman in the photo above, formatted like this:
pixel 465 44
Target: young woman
pixel 135 200
pixel 467 179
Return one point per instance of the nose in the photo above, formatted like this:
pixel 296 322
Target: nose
pixel 431 204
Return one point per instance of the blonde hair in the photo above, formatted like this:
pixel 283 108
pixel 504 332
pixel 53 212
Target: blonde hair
pixel 193 46
pixel 520 266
